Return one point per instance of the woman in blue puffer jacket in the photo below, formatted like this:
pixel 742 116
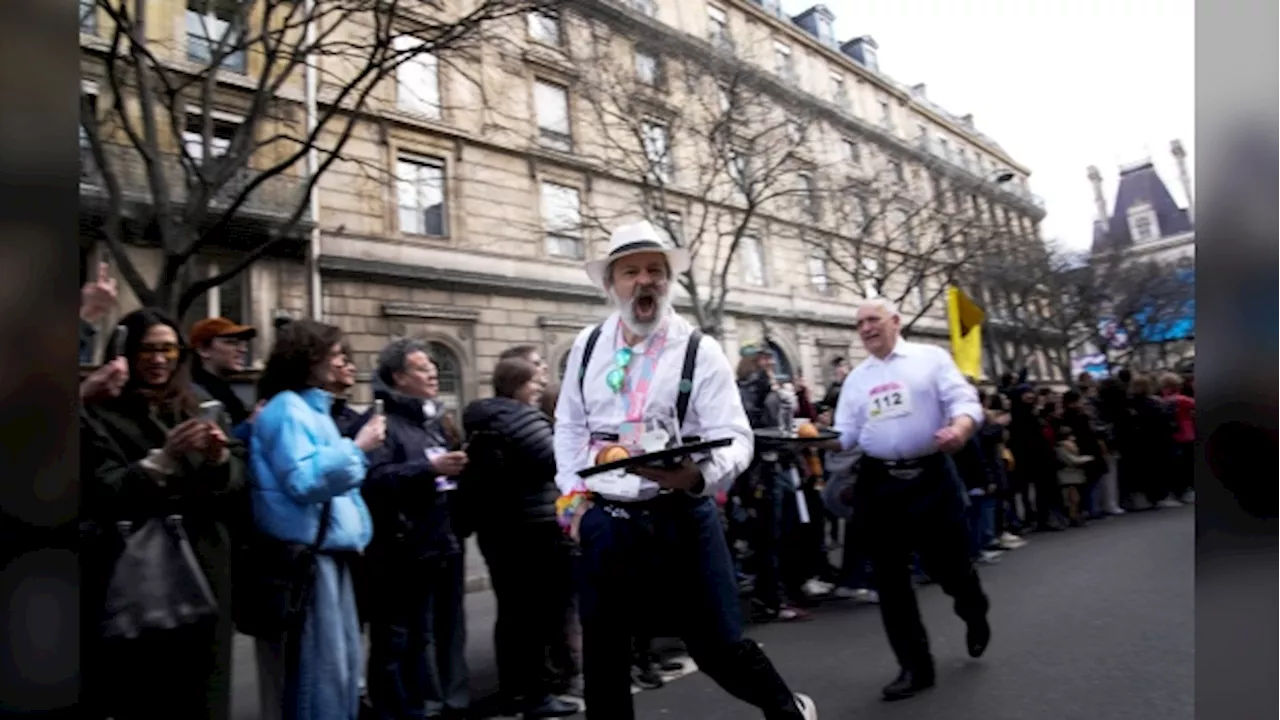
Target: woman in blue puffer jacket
pixel 303 468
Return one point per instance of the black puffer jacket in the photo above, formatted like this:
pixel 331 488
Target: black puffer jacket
pixel 513 462
pixel 411 520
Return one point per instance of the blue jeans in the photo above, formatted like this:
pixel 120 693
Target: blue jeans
pixel 981 518
pixel 664 564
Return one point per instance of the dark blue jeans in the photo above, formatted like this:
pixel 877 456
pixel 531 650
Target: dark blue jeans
pixel 981 519
pixel 664 564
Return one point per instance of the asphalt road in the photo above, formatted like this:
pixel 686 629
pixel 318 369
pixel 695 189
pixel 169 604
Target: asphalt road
pixel 1089 624
pixel 1093 623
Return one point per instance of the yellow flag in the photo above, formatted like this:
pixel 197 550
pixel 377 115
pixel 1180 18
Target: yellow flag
pixel 965 319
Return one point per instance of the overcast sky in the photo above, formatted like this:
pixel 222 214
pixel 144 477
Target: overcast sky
pixel 1060 84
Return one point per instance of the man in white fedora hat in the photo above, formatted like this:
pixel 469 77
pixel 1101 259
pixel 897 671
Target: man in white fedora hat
pixel 654 556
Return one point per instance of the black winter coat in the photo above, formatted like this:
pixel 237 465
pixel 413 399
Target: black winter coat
pixel 512 447
pixel 411 520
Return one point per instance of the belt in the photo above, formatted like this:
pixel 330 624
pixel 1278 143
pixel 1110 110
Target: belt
pixel 904 469
pixel 665 500
pixel 608 437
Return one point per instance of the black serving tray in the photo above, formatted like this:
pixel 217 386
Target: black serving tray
pixel 776 437
pixel 659 459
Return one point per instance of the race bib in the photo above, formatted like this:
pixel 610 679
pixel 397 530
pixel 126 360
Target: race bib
pixel 888 400
pixel 615 484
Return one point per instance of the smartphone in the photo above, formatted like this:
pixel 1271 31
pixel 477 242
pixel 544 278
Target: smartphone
pixel 210 411
pixel 118 341
pixel 378 408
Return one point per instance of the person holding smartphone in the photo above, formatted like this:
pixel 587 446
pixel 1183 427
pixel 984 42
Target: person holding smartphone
pixel 148 453
pixel 409 487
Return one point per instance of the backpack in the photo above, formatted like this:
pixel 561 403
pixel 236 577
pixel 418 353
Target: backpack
pixel 686 374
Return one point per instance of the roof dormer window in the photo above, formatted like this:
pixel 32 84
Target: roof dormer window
pixel 1143 226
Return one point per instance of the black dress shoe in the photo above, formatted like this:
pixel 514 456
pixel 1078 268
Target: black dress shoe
pixel 908 684
pixel 550 707
pixel 977 637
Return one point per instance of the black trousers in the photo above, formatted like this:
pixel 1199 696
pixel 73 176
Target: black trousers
pixel 417 658
pixel 665 563
pixel 532 575
pixel 925 514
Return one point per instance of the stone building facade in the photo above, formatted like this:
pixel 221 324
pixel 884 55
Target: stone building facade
pixel 474 234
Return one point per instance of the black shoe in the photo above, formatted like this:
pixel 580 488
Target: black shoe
pixel 977 637
pixel 908 684
pixel 550 707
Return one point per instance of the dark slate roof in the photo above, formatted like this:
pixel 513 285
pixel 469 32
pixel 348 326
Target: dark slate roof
pixel 1139 184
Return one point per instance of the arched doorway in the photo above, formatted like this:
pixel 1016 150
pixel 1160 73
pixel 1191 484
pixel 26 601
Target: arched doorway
pixel 782 363
pixel 450 373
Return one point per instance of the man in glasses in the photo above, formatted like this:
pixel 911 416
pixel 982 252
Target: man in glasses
pixel 653 552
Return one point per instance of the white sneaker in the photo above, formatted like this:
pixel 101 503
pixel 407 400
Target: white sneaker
pixel 1115 511
pixel 989 557
pixel 813 587
pixel 846 593
pixel 866 596
pixel 808 710
pixel 1189 497
pixel 1009 541
pixel 1169 503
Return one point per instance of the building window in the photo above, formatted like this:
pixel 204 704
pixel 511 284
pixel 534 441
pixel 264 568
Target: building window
pixel 818 277
pixel 648 71
pixel 725 96
pixel 895 166
pixel 89 16
pixel 718 27
pixel 782 60
pixel 886 115
pixel 918 296
pixel 448 373
pixel 839 93
pixel 852 153
pixel 421 190
pixel 562 219
pixel 89 94
pixel 871 278
pixel 795 131
pixel 939 193
pixel 657 152
pixel 922 136
pixel 737 169
pixel 869 57
pixel 809 196
pixel 417 78
pixel 752 261
pixel 224 130
pixel 906 231
pixel 944 149
pixel 1143 226
pixel 213 27
pixel 824 30
pixel 229 300
pixel 671 228
pixel 545 28
pixel 551 102
pixel 963 158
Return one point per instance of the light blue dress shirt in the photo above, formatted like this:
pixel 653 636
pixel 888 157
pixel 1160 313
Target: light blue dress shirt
pixel 929 384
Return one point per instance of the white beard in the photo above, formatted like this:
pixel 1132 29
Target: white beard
pixel 627 312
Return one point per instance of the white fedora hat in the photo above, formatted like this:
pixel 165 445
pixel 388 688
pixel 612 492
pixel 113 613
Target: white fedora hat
pixel 637 238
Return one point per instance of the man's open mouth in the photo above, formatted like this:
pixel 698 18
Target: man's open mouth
pixel 646 304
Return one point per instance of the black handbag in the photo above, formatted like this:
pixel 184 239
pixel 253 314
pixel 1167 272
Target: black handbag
pixel 273 582
pixel 156 583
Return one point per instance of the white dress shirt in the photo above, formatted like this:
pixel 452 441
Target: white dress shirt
pixel 891 408
pixel 714 412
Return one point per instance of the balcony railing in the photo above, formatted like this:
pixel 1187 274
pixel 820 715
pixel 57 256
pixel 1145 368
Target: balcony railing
pixel 645 7
pixel 277 197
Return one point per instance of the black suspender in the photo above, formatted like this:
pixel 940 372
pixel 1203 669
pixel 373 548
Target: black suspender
pixel 686 374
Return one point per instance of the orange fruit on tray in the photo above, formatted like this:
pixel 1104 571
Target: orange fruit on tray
pixel 807 430
pixel 611 453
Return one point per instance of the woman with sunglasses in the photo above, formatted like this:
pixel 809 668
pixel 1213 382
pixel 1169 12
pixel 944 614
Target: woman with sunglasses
pixel 148 454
